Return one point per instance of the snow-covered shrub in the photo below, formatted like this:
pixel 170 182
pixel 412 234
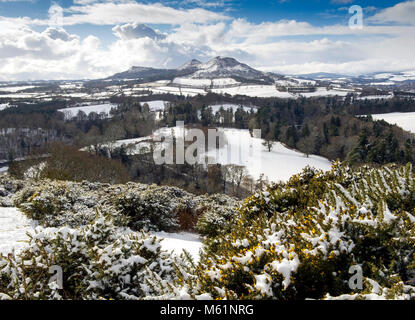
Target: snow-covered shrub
pixel 164 208
pixel 148 209
pixel 98 261
pixel 305 247
pixel 58 203
pixel 62 203
pixel 218 213
pixel 8 187
pixel 34 172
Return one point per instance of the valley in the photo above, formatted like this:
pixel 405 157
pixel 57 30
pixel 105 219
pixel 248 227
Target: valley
pixel 78 163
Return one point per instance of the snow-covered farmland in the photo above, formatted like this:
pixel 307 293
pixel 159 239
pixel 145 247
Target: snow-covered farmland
pixel 405 120
pixel 205 82
pixel 99 108
pixel 228 106
pixel 156 105
pixel 262 91
pixel 375 97
pixel 323 92
pixel 4 106
pixel 15 89
pixel 191 92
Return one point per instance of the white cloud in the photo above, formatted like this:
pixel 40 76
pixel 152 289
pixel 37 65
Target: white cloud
pixel 403 12
pixel 341 1
pixel 118 12
pixel 134 31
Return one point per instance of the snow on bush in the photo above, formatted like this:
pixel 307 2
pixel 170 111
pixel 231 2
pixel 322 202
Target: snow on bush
pixel 139 206
pixel 298 240
pixel 58 203
pixel 8 187
pixel 98 262
pixel 217 217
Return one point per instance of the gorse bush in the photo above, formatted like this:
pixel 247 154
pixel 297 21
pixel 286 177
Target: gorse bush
pixel 59 203
pixel 8 187
pixel 290 247
pixel 98 262
pixel 217 217
pixel 64 203
pixel 149 209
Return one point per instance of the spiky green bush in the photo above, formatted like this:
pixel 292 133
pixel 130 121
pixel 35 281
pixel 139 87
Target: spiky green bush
pixel 217 217
pixel 99 261
pixel 298 240
pixel 150 207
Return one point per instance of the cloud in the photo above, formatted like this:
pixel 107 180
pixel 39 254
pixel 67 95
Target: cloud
pixel 118 12
pixel 341 1
pixel 205 3
pixel 401 13
pixel 285 46
pixel 135 31
pixel 269 31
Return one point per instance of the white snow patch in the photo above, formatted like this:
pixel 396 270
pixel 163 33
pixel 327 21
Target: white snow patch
pixel 405 120
pixel 177 242
pixel 14 227
pixel 98 108
pixel 278 165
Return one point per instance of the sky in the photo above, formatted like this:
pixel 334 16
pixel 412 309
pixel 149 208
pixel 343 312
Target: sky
pixel 89 39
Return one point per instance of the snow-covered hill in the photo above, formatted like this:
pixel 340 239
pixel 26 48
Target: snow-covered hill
pixel 224 67
pixel 218 67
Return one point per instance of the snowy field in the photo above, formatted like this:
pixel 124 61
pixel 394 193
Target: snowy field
pixel 177 242
pixel 15 89
pixel 242 149
pixel 13 229
pixel 4 106
pixel 179 86
pixel 323 92
pixel 205 82
pixel 261 91
pixel 191 92
pixel 234 107
pixel 374 97
pixel 405 120
pixel 99 108
pixel 278 165
pixel 156 105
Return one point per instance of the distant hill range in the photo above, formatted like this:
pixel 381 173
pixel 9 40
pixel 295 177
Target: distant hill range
pixel 218 67
pixel 226 67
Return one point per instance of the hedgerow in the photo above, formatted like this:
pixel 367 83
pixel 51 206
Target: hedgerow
pixel 138 206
